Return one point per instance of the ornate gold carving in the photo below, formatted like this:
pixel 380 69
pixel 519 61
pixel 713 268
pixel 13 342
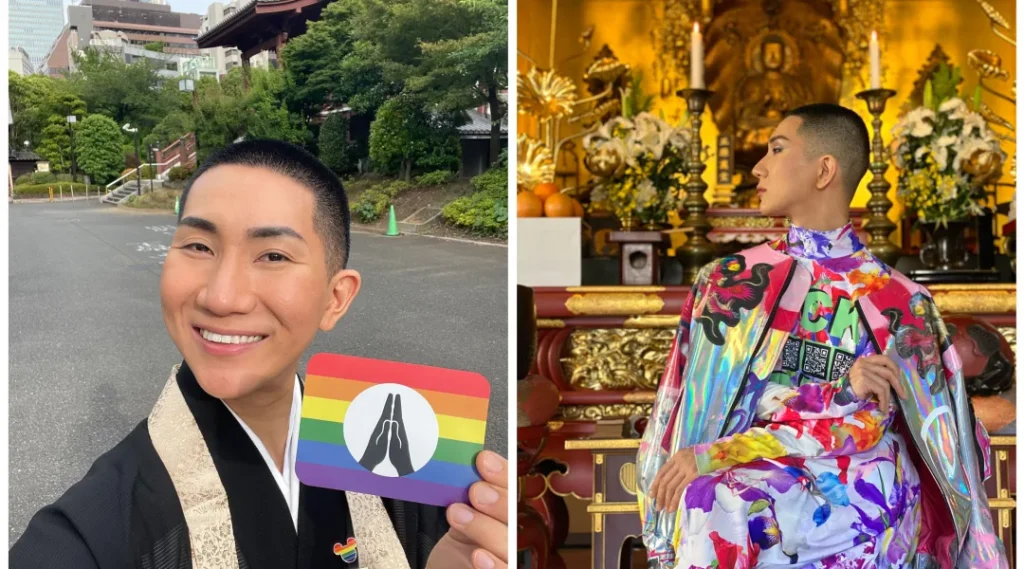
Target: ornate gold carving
pixel 1010 333
pixel 602 444
pixel 975 299
pixel 597 412
pixel 742 222
pixel 617 358
pixel 627 477
pixel 987 63
pixel 550 323
pixel 999 503
pixel 639 397
pixel 598 523
pixel 624 304
pixel 653 321
pixel 614 508
pixel 598 497
pixel 1003 441
pixel 599 458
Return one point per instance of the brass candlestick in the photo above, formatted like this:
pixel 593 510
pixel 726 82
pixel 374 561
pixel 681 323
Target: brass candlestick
pixel 879 226
pixel 698 250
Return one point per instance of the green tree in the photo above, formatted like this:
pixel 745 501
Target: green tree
pixel 172 127
pixel 132 93
pixel 99 148
pixel 55 146
pixel 471 69
pixel 34 101
pixel 398 136
pixel 333 144
pixel 157 46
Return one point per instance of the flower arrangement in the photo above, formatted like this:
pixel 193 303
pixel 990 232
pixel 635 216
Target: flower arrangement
pixel 639 166
pixel 945 152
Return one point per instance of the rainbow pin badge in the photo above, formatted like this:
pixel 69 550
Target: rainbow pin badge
pixel 347 552
pixel 395 430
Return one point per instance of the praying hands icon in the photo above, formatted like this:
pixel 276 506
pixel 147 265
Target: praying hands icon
pixel 389 440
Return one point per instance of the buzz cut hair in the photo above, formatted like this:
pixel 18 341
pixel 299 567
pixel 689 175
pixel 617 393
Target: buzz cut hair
pixel 839 132
pixel 331 216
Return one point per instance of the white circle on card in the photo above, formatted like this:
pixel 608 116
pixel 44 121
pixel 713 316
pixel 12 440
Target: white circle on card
pixel 391 430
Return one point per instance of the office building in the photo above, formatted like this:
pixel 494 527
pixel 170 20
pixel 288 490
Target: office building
pixel 34 25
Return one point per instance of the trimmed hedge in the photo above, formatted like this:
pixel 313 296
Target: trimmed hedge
pixel 42 190
pixel 371 204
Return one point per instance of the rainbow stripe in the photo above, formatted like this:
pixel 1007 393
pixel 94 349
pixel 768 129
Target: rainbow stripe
pixel 459 400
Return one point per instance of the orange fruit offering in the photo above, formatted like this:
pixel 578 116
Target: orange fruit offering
pixel 545 190
pixel 558 205
pixel 577 208
pixel 529 205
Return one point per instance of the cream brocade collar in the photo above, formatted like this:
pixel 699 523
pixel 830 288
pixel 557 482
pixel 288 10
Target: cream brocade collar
pixel 180 445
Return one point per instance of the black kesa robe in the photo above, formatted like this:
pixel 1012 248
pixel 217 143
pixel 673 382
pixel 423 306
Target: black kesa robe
pixel 126 513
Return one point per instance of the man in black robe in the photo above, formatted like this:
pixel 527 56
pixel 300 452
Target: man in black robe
pixel 255 269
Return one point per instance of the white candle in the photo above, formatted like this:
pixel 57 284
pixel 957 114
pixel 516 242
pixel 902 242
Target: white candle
pixel 875 54
pixel 696 58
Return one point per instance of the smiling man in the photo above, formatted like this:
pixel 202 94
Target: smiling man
pixel 256 268
pixel 775 439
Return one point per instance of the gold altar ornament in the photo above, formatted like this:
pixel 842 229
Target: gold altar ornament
pixel 534 164
pixel 599 412
pixel 544 93
pixel 617 358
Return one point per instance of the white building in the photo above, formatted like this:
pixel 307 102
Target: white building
pixel 228 58
pixel 20 62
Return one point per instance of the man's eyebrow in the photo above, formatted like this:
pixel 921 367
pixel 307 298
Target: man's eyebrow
pixel 199 223
pixel 777 137
pixel 271 232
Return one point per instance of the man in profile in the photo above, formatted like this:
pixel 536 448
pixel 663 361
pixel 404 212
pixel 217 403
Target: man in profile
pixel 775 439
pixel 256 267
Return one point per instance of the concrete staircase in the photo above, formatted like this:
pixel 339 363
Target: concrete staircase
pixel 120 194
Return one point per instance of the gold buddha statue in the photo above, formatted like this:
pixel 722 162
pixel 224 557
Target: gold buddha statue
pixel 766 92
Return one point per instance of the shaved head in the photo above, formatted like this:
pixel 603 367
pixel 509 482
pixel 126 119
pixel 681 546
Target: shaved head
pixel 840 133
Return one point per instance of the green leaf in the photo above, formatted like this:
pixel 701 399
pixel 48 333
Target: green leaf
pixel 758 506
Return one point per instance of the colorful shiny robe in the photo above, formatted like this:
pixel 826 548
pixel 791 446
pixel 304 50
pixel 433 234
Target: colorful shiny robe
pixel 732 331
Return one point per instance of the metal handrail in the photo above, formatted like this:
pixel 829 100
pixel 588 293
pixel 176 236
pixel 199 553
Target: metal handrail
pixel 140 166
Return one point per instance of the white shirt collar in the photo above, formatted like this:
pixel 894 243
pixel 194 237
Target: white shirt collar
pixel 287 481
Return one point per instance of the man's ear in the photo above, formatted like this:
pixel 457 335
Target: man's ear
pixel 828 171
pixel 344 287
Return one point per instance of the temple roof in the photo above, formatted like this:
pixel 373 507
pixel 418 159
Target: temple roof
pixel 256 24
pixel 480 125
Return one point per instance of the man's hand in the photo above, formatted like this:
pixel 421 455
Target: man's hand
pixel 674 476
pixel 377 447
pixel 874 376
pixel 398 451
pixel 479 534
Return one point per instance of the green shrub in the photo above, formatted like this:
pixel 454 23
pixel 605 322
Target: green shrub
pixel 371 204
pixel 148 172
pixel 179 174
pixel 43 177
pixel 486 210
pixel 23 179
pixel 435 178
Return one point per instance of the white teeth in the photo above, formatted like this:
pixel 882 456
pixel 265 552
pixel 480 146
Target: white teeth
pixel 221 339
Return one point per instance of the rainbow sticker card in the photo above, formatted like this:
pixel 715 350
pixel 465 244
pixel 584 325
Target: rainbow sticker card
pixel 396 430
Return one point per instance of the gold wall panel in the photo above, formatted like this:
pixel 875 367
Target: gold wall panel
pixel 617 358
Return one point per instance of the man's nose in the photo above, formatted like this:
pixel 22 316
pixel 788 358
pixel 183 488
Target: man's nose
pixel 759 170
pixel 227 291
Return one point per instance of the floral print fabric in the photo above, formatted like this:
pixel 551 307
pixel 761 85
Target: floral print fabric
pixel 820 480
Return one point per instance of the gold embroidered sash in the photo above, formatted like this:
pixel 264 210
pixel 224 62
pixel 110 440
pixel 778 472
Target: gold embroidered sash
pixel 183 451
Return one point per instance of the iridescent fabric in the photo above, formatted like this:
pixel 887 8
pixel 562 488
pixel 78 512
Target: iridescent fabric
pixel 796 472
